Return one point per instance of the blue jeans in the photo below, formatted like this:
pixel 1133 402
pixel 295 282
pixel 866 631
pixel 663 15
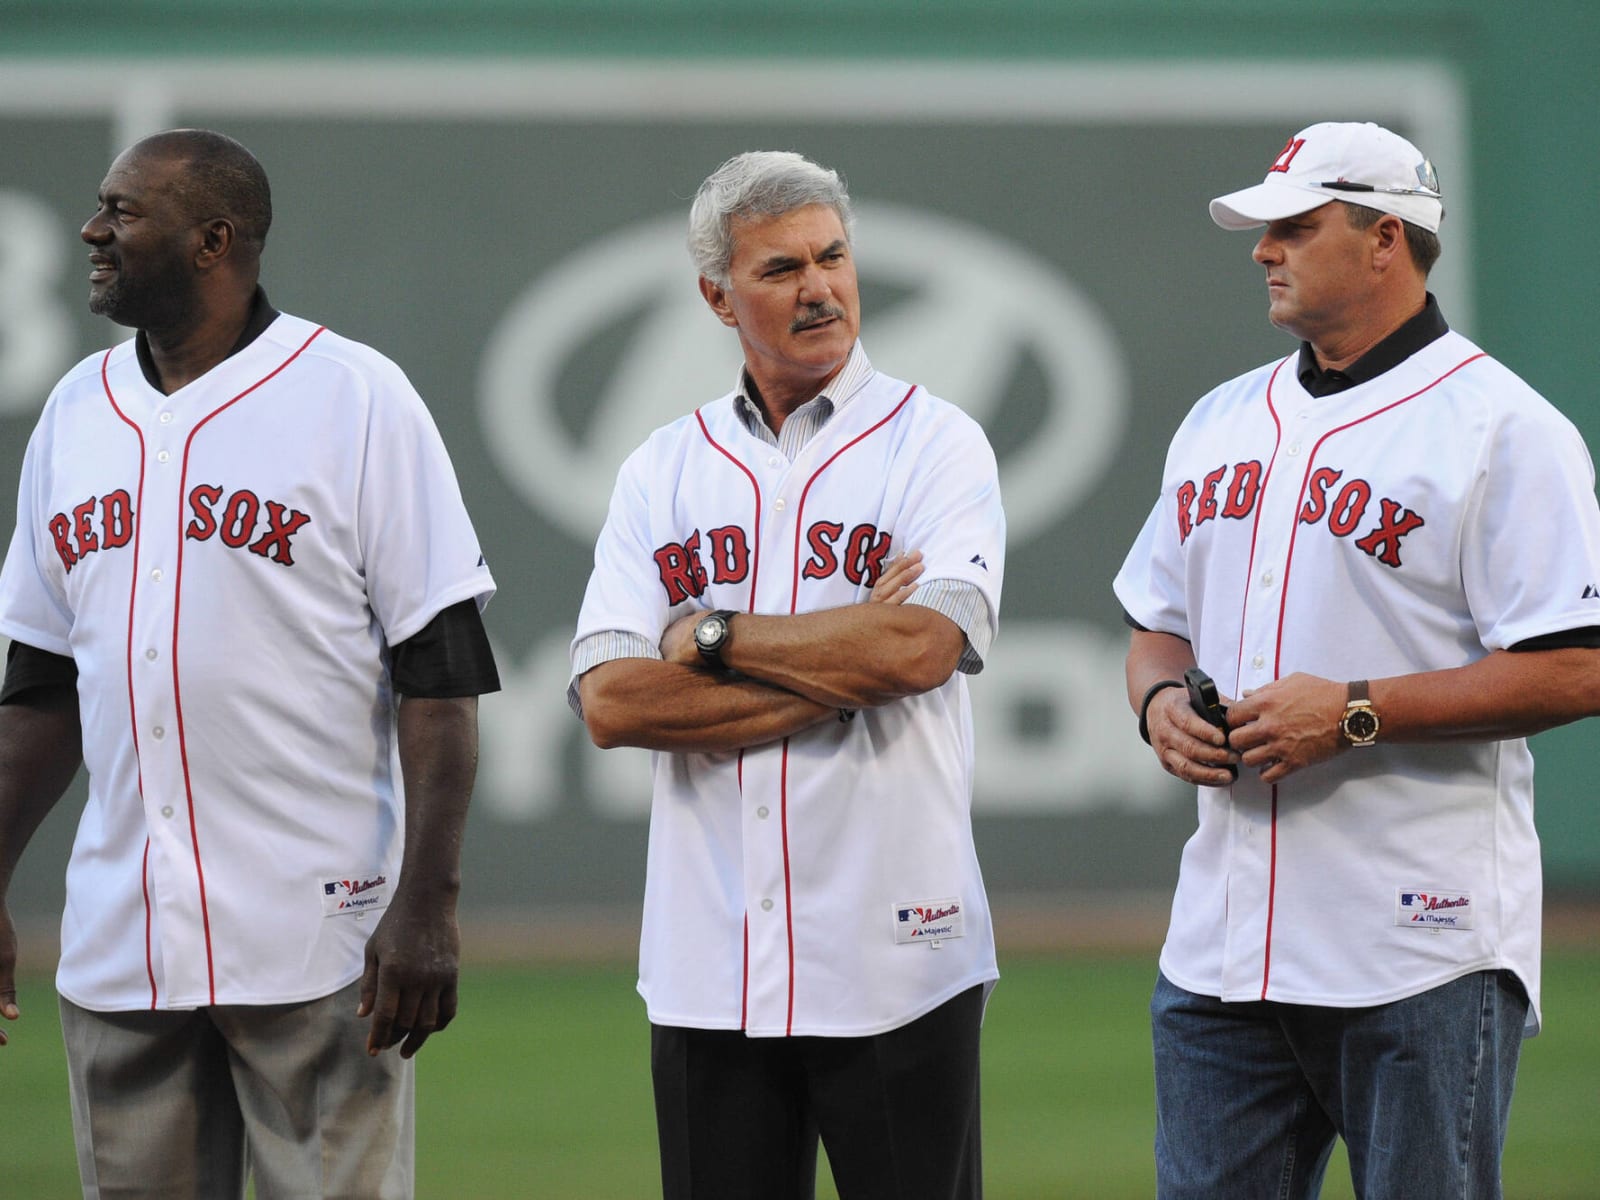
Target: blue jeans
pixel 1249 1096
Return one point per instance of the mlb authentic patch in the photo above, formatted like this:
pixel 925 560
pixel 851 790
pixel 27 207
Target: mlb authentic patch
pixel 1434 908
pixel 356 894
pixel 928 921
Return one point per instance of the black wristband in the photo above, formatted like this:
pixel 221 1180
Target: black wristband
pixel 1144 705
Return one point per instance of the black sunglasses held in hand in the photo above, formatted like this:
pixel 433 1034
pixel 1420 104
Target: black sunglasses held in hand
pixel 1204 699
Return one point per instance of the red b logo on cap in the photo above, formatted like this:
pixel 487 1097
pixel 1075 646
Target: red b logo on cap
pixel 1286 155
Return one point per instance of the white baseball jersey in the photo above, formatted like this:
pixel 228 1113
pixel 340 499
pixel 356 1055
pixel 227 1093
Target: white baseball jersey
pixel 1414 522
pixel 227 566
pixel 826 883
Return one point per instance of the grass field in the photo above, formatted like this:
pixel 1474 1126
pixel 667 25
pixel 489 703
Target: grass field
pixel 541 1089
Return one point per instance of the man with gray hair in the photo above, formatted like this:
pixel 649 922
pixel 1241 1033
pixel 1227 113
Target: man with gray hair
pixel 790 588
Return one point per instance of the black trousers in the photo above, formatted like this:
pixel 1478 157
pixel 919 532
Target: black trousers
pixel 738 1118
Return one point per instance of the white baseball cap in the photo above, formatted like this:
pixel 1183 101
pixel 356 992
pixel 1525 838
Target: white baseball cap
pixel 1357 162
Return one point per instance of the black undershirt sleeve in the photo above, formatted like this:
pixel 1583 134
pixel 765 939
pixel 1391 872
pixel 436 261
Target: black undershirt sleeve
pixel 1587 637
pixel 447 657
pixel 32 674
pixel 450 656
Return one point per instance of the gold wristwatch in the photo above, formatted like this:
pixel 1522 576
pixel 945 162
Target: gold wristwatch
pixel 1360 722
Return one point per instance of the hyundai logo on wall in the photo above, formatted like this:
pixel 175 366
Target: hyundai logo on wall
pixel 972 307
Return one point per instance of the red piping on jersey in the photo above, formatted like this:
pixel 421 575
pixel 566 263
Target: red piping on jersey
pixel 755 572
pixel 144 884
pixel 788 890
pixel 1283 605
pixel 755 486
pixel 1255 525
pixel 177 597
pixel 794 602
pixel 799 516
pixel 133 722
pixel 744 970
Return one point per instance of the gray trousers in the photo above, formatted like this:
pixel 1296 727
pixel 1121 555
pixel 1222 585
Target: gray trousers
pixel 186 1105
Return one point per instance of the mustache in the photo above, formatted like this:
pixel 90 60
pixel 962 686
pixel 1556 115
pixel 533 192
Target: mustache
pixel 814 313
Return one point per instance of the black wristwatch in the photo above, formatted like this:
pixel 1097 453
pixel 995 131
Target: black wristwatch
pixel 711 634
pixel 1360 722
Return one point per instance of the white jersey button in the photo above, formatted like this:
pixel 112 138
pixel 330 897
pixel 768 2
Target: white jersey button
pixel 778 504
pixel 166 418
pixel 1295 448
pixel 150 654
pixel 162 456
pixel 166 811
pixel 159 732
pixel 763 812
pixel 1257 661
pixel 1266 579
pixel 774 461
pixel 766 906
pixel 155 574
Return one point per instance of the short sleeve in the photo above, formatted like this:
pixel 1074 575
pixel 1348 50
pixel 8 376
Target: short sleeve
pixel 33 606
pixel 1150 583
pixel 419 549
pixel 1530 559
pixel 623 595
pixel 954 516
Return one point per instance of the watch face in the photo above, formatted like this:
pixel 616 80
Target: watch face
pixel 710 631
pixel 1360 725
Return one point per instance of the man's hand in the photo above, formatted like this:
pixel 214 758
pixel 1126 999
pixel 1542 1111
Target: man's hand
pixel 1188 746
pixel 1288 725
pixel 898 580
pixel 8 970
pixel 409 985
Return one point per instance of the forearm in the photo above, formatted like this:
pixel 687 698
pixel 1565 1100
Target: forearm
pixel 1153 657
pixel 858 656
pixel 438 762
pixel 659 705
pixel 1507 694
pixel 40 751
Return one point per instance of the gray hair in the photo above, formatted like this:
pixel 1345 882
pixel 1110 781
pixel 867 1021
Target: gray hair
pixel 764 183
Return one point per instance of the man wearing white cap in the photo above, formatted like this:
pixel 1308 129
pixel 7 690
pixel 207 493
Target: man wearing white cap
pixel 1385 549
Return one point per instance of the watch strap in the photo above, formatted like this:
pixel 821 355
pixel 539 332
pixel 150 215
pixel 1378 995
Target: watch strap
pixel 1144 705
pixel 1360 724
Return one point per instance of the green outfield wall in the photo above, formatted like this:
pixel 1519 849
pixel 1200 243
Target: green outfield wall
pixel 494 194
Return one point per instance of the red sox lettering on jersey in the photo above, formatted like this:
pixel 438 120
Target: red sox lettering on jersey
pixel 1231 494
pixel 106 523
pixel 860 556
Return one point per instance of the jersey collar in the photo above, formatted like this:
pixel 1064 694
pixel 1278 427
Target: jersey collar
pixel 1427 326
pixel 261 315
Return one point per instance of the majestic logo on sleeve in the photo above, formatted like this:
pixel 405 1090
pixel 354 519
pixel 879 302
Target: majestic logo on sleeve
pixel 1233 494
pixel 683 566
